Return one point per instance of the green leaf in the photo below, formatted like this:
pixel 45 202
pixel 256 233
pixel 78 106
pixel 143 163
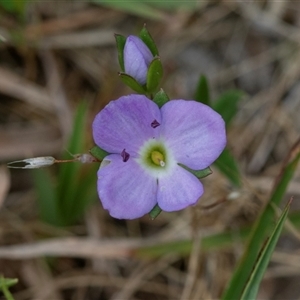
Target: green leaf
pixel 216 241
pixel 161 98
pixel 227 104
pixel 154 75
pixel 148 40
pixel 14 6
pixel 4 284
pixel 156 210
pixel 63 202
pixel 47 197
pixel 132 83
pixel 68 176
pixel 228 166
pixel 98 153
pixel 120 41
pixel 202 91
pixel 134 7
pixel 261 226
pixel 86 192
pixel 8 282
pixel 251 289
pixel 172 5
pixel 198 173
pixel 8 5
pixel 223 240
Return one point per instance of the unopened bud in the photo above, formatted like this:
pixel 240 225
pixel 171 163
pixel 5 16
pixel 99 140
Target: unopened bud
pixel 137 58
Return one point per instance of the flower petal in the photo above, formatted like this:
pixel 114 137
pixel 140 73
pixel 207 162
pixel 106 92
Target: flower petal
pixel 195 132
pixel 137 58
pixel 126 124
pixel 179 190
pixel 124 189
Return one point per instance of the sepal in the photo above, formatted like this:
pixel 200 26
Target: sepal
pixel 198 173
pixel 132 83
pixel 161 98
pixel 98 153
pixel 154 75
pixel 156 210
pixel 148 40
pixel 120 41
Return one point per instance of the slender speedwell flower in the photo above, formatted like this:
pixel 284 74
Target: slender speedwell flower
pixel 147 144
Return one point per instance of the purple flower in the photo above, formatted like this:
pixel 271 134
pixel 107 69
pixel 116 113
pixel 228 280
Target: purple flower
pixel 147 143
pixel 137 58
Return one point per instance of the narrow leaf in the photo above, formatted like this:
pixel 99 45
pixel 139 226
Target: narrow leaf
pixel 8 282
pixel 47 197
pixel 86 191
pixel 69 172
pixel 173 5
pixel 223 240
pixel 14 6
pixel 4 284
pixel 258 272
pixel 217 241
pixel 228 166
pixel 227 104
pixel 202 91
pixel 261 226
pixel 134 7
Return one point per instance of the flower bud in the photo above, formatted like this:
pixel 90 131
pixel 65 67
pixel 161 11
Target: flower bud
pixel 137 58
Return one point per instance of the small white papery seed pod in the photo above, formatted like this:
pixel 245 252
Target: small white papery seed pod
pixel 33 163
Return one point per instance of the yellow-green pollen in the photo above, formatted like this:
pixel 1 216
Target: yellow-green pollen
pixel 158 158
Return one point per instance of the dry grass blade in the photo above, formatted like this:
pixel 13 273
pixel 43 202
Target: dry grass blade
pixel 192 269
pixel 70 22
pixel 146 272
pixel 88 38
pixel 265 184
pixel 37 276
pixel 58 95
pixel 73 247
pixel 17 87
pixel 4 183
pixel 91 280
pixel 28 142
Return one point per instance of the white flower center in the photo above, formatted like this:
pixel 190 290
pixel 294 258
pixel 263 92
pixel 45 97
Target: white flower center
pixel 156 158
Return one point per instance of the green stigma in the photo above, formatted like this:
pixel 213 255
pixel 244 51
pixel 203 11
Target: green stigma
pixel 157 158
